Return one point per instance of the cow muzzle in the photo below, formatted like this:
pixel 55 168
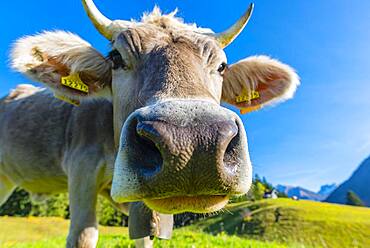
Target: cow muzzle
pixel 179 156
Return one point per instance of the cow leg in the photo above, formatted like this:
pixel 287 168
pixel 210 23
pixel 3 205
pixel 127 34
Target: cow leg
pixel 140 225
pixel 145 224
pixel 141 228
pixel 83 193
pixel 146 242
pixel 6 188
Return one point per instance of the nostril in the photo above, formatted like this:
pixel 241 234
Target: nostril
pixel 146 129
pixel 227 131
pixel 230 159
pixel 146 137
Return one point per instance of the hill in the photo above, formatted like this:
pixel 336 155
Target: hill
pixel 313 224
pixel 358 183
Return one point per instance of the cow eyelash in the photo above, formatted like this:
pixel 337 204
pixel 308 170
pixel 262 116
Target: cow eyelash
pixel 117 60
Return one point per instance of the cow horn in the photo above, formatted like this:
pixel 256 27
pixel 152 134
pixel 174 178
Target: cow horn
pixel 225 38
pixel 101 23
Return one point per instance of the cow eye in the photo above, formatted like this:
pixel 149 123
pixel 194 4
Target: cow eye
pixel 117 60
pixel 222 68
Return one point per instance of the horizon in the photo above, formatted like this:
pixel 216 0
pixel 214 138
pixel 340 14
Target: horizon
pixel 320 136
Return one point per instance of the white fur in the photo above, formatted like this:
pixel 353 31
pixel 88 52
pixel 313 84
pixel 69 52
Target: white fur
pixel 156 16
pixel 69 48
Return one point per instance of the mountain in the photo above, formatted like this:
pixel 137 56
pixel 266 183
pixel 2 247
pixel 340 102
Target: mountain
pixel 327 189
pixel 300 192
pixel 303 193
pixel 358 183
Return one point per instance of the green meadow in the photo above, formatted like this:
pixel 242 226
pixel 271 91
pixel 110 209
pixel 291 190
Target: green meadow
pixel 266 223
pixel 312 224
pixel 51 233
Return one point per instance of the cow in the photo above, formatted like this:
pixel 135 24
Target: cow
pixel 143 125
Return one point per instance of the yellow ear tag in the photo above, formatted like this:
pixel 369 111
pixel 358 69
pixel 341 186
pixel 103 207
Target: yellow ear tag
pixel 67 100
pixel 249 109
pixel 246 96
pixel 74 81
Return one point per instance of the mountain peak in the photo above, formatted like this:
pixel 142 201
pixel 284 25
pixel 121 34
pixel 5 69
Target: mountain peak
pixel 358 183
pixel 300 192
pixel 303 193
pixel 327 189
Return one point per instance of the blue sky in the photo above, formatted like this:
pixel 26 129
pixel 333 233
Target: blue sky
pixel 318 137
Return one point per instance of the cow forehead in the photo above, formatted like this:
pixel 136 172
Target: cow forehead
pixel 144 39
pixel 157 30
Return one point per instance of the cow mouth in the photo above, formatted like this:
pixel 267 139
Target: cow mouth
pixel 194 204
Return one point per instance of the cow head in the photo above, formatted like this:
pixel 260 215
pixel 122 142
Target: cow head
pixel 178 149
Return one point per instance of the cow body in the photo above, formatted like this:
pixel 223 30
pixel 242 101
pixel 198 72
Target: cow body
pixel 55 136
pixel 52 153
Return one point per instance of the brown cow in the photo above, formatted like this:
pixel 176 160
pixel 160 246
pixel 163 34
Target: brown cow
pixel 149 126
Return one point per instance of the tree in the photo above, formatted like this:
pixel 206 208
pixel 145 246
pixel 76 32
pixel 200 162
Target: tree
pixel 256 178
pixel 258 190
pixel 282 195
pixel 353 199
pixel 19 204
pixel 268 185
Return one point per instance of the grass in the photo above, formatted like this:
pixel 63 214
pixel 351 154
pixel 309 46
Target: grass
pixel 286 221
pixel 263 224
pixel 51 233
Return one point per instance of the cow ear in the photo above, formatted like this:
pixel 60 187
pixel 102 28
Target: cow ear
pixel 65 63
pixel 255 82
